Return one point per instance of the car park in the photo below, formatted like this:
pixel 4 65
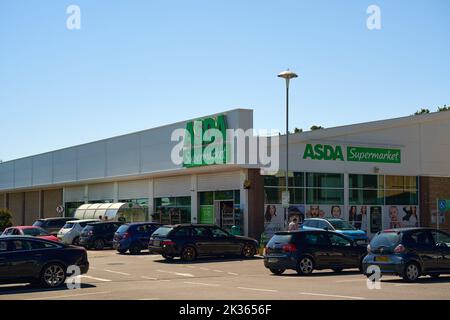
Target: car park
pixel 337 225
pixel 98 235
pixel 52 225
pixel 29 231
pixel 134 237
pixel 189 242
pixel 38 261
pixel 70 232
pixel 409 253
pixel 307 250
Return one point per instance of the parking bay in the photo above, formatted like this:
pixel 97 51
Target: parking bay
pixel 116 276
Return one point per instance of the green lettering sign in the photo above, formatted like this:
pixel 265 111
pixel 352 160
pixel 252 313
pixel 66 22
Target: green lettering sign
pixel 357 154
pixel 323 152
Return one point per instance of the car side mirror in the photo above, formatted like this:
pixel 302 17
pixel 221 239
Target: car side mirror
pixel 326 229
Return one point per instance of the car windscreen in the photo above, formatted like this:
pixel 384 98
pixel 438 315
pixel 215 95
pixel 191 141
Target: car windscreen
pixel 341 225
pixel 162 231
pixel 385 239
pixel 68 225
pixel 123 228
pixel 88 227
pixel 38 223
pixel 280 239
pixel 35 232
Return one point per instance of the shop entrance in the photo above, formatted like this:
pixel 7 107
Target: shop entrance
pixel 224 213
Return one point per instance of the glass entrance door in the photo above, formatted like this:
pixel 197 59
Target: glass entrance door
pixel 224 214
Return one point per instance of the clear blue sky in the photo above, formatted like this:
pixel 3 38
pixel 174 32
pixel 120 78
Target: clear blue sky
pixel 139 64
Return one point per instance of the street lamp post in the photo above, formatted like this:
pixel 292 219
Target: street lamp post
pixel 287 75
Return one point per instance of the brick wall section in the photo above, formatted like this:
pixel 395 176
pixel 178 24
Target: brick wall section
pixel 432 188
pixel 51 199
pixel 255 204
pixel 17 207
pixel 31 207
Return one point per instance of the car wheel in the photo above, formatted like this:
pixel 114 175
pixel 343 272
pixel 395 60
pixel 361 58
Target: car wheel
pixel 305 265
pixel 411 272
pixel 134 249
pixel 99 244
pixel 435 275
pixel 277 271
pixel 76 241
pixel 337 270
pixel 188 254
pixel 53 275
pixel 248 251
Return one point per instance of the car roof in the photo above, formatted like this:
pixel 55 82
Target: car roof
pixel 55 218
pixel 408 229
pixel 25 237
pixel 83 220
pixel 25 227
pixel 142 223
pixel 303 231
pixel 96 223
pixel 189 225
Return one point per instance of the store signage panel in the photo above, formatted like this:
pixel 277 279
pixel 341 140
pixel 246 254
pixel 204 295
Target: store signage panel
pixel 355 154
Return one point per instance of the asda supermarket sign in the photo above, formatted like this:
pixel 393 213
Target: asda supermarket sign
pixel 356 154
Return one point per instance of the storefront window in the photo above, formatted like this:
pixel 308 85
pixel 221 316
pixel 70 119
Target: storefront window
pixel 172 210
pixel 71 207
pixel 368 197
pixel 143 202
pixel 366 181
pixel 324 196
pixel 324 180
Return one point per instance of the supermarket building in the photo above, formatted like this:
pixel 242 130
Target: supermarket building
pixel 376 175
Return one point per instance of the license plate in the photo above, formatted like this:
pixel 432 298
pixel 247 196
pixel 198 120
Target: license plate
pixel 272 260
pixel 156 242
pixel 382 259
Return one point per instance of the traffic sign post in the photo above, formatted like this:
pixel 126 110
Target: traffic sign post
pixel 442 206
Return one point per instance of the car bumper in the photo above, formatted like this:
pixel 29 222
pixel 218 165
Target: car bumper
pixel 280 262
pixel 66 239
pixel 395 265
pixel 86 242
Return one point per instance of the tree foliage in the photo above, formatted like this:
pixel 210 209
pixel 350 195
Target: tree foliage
pixel 5 219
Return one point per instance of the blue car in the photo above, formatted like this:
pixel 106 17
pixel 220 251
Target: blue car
pixel 338 225
pixel 134 237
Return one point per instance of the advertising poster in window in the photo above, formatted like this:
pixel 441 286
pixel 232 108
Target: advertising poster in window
pixel 273 219
pixel 400 216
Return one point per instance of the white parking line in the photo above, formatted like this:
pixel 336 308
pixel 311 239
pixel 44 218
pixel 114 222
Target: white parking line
pixel 203 284
pixel 118 272
pixel 257 289
pixel 177 273
pixel 149 278
pixel 218 271
pixel 330 295
pixel 232 273
pixel 95 278
pixel 70 295
pixel 203 268
pixel 352 280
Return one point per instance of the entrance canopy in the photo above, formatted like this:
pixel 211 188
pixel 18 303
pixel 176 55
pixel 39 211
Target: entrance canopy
pixel 126 212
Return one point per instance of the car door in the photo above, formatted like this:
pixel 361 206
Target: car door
pixel 6 272
pixel 223 242
pixel 442 243
pixel 22 260
pixel 203 240
pixel 343 253
pixel 317 244
pixel 143 234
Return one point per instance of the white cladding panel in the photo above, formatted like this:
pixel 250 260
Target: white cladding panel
pixel 23 173
pixel 42 169
pixel 101 191
pixel 219 181
pixel 133 189
pixel 122 155
pixel 172 186
pixel 7 175
pixel 91 160
pixel 65 165
pixel 74 194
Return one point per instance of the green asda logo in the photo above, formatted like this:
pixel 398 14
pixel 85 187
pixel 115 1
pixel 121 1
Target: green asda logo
pixel 323 152
pixel 356 154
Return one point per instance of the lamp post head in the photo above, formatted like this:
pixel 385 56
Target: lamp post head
pixel 287 75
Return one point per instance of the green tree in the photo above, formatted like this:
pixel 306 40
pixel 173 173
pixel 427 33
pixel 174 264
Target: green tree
pixel 444 108
pixel 314 127
pixel 422 111
pixel 297 130
pixel 5 219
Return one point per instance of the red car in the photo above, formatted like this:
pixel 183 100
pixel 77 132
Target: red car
pixel 29 231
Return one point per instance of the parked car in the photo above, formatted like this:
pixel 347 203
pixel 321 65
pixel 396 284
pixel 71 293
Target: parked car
pixel 307 250
pixel 409 253
pixel 134 236
pixel 70 232
pixel 52 225
pixel 338 225
pixel 29 231
pixel 98 235
pixel 191 241
pixel 25 259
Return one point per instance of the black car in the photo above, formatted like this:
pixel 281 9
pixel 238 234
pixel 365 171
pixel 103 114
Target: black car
pixel 98 235
pixel 52 225
pixel 306 250
pixel 134 236
pixel 409 253
pixel 191 241
pixel 26 259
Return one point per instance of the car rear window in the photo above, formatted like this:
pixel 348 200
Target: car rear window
pixel 162 231
pixel 123 228
pixel 280 238
pixel 68 225
pixel 34 232
pixel 38 223
pixel 341 225
pixel 316 239
pixel 88 227
pixel 385 239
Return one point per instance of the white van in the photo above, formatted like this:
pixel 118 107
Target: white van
pixel 70 232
